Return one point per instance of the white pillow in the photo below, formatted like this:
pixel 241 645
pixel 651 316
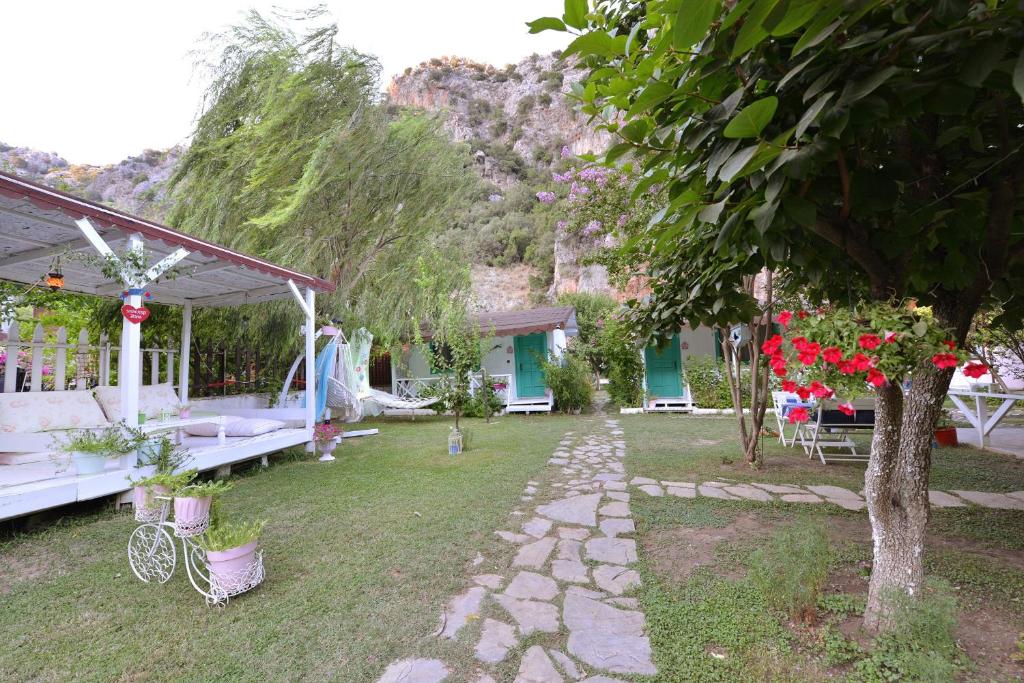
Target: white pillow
pixel 152 400
pixel 235 426
pixel 39 411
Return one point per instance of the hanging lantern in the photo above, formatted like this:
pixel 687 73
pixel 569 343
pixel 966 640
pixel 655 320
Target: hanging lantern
pixel 55 279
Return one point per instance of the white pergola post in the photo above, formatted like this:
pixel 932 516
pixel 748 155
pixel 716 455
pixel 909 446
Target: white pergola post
pixel 186 347
pixel 131 345
pixel 310 310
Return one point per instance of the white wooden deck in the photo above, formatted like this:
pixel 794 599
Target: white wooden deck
pixel 29 487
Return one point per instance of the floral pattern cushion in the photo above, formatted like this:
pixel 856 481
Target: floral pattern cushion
pixel 26 412
pixel 152 399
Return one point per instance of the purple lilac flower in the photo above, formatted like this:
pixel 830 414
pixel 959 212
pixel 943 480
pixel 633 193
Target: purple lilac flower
pixel 566 152
pixel 591 228
pixel 622 220
pixel 546 197
pixel 47 370
pixel 561 225
pixel 579 189
pixel 562 177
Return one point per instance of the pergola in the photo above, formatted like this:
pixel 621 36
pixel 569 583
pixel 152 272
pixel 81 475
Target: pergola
pixel 39 224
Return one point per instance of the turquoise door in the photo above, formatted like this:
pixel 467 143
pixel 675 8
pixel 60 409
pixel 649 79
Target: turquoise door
pixel 664 370
pixel 529 374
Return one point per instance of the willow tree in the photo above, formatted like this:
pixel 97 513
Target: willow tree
pixel 295 160
pixel 858 148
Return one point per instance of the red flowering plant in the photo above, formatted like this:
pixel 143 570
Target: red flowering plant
pixel 839 354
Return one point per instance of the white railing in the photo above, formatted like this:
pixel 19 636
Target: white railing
pixel 413 387
pixel 54 364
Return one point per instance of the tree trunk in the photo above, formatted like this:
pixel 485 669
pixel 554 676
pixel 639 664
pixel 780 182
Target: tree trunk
pixel 896 488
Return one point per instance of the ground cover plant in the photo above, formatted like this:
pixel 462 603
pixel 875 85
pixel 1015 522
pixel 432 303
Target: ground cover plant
pixel 360 556
pixel 720 578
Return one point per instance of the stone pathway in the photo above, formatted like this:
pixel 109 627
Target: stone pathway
pixel 568 578
pixel 792 493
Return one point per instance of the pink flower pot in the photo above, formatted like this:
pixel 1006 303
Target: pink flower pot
pixel 147 507
pixel 230 567
pixel 191 515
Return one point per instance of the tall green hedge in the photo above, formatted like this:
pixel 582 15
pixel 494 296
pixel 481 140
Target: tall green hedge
pixel 709 387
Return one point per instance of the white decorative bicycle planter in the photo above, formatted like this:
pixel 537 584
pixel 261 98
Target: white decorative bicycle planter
pixel 153 556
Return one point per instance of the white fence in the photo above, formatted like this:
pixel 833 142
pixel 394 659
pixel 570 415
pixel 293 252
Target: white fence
pixel 411 388
pixel 51 363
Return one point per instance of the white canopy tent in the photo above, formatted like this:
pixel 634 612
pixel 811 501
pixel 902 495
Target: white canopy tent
pixel 39 224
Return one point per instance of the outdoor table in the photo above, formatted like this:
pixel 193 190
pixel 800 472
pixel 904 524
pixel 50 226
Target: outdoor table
pixel 979 417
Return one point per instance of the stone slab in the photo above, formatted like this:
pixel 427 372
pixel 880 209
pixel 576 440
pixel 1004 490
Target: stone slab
pixel 612 550
pixel 778 488
pixel 749 493
pixel 492 581
pixel 573 533
pixel 531 586
pixel 606 476
pixel 534 555
pixel 679 484
pixel 536 667
pixel 415 671
pixel 847 504
pixel 460 609
pixel 569 549
pixel 538 527
pixel 615 486
pixel 941 499
pixel 800 498
pixel 512 537
pixel 714 492
pixel 496 639
pixel 565 664
pixel 618 495
pixel 612 527
pixel 640 481
pixel 530 615
pixel 570 571
pixel 616 580
pixel 681 492
pixel 652 490
pixel 615 508
pixel 575 510
pixel 834 492
pixel 999 501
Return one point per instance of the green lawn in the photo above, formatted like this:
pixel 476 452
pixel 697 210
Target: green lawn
pixel 708 622
pixel 361 554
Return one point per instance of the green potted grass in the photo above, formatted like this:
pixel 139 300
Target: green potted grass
pixel 192 506
pixel 146 491
pixel 88 449
pixel 230 552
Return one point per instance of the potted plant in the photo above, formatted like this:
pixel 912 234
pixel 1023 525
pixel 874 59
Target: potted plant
pixel 230 552
pixel 325 436
pixel 945 431
pixel 88 449
pixel 185 411
pixel 192 506
pixel 147 489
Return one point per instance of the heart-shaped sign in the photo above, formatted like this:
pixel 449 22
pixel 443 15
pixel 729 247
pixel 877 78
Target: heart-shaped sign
pixel 134 314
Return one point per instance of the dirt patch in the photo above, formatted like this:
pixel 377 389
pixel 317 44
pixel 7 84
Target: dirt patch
pixel 25 563
pixel 676 553
pixel 989 637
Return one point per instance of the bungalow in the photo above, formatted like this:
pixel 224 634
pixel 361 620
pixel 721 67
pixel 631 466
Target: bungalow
pixel 512 343
pixel 665 383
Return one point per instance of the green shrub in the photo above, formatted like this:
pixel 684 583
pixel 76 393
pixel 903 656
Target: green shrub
pixel 790 570
pixel 708 385
pixel 570 381
pixel 623 364
pixel 922 643
pixel 839 649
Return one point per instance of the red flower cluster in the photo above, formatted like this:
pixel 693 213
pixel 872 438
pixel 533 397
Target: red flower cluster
pixel 876 377
pixel 945 360
pixel 846 408
pixel 797 416
pixel 832 354
pixel 975 369
pixel 785 317
pixel 869 341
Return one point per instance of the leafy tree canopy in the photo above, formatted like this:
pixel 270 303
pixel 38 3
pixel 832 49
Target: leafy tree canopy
pixel 294 159
pixel 860 148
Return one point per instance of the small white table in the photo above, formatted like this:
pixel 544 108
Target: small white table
pixel 177 423
pixel 979 417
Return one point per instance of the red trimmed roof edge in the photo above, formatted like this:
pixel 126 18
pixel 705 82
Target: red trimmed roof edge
pixel 76 207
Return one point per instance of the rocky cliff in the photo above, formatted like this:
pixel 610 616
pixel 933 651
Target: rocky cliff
pixel 521 107
pixel 136 185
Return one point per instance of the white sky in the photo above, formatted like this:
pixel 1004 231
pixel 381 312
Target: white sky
pixel 98 80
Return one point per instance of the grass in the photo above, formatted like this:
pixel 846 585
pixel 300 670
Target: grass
pixel 671 446
pixel 361 555
pixel 714 623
